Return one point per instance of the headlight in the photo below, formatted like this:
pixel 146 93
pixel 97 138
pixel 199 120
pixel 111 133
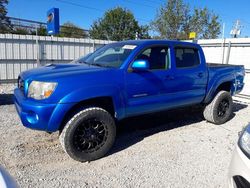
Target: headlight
pixel 244 141
pixel 41 90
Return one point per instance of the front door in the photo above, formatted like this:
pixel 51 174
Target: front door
pixel 146 90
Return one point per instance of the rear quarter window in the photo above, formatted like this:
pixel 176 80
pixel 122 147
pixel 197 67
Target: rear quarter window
pixel 186 57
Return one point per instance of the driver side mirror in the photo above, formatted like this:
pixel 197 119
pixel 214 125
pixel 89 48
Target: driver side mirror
pixel 140 65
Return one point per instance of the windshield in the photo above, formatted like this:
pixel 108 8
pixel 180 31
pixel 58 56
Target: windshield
pixel 111 55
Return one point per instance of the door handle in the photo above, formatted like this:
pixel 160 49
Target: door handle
pixel 200 75
pixel 169 77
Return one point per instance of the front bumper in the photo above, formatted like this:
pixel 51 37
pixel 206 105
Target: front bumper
pixel 40 116
pixel 239 170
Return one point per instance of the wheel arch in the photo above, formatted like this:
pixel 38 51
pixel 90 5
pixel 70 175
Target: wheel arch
pixel 105 102
pixel 224 86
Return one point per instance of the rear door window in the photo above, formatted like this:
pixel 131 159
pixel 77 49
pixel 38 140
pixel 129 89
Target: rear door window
pixel 186 57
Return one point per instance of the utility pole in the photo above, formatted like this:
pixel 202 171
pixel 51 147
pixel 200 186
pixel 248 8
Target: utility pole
pixel 37 48
pixel 236 30
pixel 223 31
pixel 136 35
pixel 223 43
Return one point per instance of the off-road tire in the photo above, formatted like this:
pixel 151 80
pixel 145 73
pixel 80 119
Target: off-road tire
pixel 219 110
pixel 69 136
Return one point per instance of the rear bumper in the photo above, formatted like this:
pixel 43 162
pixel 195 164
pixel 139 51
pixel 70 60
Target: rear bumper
pixel 239 170
pixel 39 116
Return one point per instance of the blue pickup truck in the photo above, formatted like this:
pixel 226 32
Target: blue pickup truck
pixel 84 99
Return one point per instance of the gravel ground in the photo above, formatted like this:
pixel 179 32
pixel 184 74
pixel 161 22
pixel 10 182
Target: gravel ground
pixel 170 149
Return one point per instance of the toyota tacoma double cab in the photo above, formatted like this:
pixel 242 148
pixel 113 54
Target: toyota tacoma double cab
pixel 84 99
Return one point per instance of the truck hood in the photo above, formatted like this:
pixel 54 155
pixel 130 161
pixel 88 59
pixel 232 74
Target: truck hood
pixel 74 79
pixel 55 71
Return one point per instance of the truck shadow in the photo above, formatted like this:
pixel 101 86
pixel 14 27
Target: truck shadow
pixel 133 130
pixel 6 99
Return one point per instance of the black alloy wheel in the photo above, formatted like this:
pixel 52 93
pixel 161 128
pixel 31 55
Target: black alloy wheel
pixel 223 108
pixel 90 135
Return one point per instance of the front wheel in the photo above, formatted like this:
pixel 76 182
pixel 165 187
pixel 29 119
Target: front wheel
pixel 89 134
pixel 220 109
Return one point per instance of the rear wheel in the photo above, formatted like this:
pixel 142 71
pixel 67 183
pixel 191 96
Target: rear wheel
pixel 89 134
pixel 220 109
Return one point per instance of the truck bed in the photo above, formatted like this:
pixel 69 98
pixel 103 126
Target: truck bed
pixel 225 73
pixel 222 65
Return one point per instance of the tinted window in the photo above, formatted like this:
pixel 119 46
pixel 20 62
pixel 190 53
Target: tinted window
pixel 158 57
pixel 186 57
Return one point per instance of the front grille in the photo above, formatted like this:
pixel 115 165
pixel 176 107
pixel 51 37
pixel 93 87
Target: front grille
pixel 20 84
pixel 241 182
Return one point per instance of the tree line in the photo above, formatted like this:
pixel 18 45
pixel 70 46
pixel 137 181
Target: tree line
pixel 174 20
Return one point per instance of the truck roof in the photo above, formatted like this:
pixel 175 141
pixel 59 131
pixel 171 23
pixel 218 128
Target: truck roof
pixel 154 41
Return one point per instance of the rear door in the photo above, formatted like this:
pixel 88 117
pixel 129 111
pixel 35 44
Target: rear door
pixel 190 75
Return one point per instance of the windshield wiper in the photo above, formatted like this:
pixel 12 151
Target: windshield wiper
pixel 96 64
pixel 83 62
pixel 101 65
